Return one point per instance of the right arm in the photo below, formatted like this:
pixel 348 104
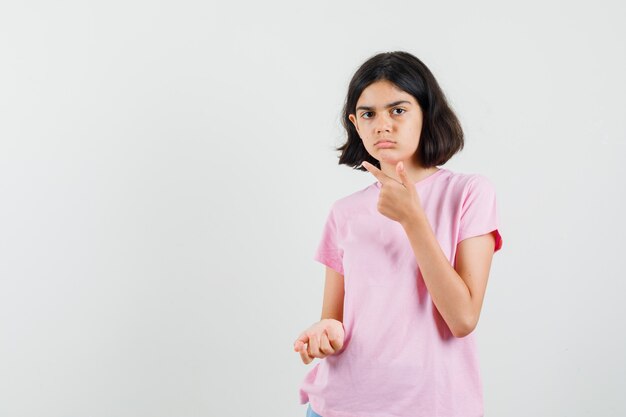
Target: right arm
pixel 332 307
pixel 326 336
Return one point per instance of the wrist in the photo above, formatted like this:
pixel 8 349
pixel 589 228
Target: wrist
pixel 414 218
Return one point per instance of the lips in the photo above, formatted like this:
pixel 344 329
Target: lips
pixel 383 140
pixel 384 143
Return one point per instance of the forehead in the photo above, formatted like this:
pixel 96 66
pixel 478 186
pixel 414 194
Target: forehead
pixel 381 92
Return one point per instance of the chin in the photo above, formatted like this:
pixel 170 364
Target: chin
pixel 390 158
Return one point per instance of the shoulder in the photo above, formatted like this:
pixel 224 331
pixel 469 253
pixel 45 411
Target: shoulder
pixel 466 183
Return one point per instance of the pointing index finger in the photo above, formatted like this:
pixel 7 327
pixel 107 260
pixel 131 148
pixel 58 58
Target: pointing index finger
pixel 381 176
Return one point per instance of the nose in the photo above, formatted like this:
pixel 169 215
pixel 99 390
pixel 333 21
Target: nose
pixel 384 124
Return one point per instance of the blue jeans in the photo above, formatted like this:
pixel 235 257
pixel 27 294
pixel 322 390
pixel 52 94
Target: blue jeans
pixel 311 413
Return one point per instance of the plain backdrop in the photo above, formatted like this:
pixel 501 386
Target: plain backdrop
pixel 166 168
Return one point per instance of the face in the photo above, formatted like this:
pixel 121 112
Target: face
pixel 389 122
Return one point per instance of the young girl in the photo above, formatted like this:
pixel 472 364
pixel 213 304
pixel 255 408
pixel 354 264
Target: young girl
pixel 407 258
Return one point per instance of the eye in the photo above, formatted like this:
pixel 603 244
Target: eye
pixel 364 114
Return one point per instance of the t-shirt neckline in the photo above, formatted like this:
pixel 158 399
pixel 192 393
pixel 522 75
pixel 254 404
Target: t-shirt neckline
pixel 423 180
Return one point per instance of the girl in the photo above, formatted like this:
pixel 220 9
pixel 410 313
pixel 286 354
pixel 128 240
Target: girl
pixel 407 258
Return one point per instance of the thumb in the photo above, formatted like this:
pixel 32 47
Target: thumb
pixel 403 175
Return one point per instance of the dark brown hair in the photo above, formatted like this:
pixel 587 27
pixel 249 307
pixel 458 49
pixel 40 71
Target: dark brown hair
pixel 441 136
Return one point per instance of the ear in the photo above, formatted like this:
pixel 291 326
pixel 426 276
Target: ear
pixel 353 120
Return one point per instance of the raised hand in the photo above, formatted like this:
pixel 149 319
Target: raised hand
pixel 323 338
pixel 397 200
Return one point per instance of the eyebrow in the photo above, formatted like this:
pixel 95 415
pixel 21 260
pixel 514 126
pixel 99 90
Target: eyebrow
pixel 395 103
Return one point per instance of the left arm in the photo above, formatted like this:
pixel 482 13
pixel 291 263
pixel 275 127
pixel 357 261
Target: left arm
pixel 457 294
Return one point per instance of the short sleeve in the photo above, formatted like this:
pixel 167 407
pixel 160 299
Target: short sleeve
pixel 328 250
pixel 479 211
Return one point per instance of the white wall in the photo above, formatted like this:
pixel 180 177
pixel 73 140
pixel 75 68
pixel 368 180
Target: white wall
pixel 166 168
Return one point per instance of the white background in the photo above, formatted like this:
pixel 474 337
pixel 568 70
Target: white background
pixel 166 168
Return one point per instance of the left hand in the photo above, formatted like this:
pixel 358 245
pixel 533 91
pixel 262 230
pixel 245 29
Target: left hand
pixel 398 201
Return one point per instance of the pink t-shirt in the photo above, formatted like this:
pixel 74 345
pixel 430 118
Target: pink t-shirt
pixel 399 358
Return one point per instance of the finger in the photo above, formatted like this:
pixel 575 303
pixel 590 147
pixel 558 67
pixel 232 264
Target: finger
pixel 325 347
pixel 381 176
pixel 335 337
pixel 300 341
pixel 305 356
pixel 314 347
